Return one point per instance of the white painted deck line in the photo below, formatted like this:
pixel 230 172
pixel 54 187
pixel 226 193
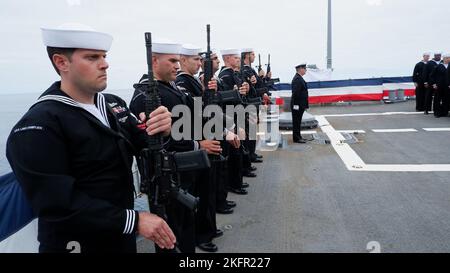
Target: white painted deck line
pixel 374 114
pixel 437 129
pixel 345 152
pixel 409 130
pixel 406 168
pixel 351 131
pixel 354 163
pixel 302 132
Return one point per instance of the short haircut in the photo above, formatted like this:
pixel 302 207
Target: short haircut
pixel 59 50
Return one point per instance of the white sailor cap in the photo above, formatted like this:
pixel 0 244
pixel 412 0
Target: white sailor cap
pixel 438 53
pixel 301 65
pixel 247 50
pixel 213 51
pixel 165 46
pixel 230 51
pixel 426 54
pixel 74 35
pixel 190 50
pixel 446 55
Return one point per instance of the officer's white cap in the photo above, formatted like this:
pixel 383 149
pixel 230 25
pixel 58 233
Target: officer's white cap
pixel 165 46
pixel 247 50
pixel 190 50
pixel 230 51
pixel 446 55
pixel 74 35
pixel 301 65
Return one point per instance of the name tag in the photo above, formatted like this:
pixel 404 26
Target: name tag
pixel 296 107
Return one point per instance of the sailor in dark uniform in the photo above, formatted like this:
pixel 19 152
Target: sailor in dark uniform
pixel 428 81
pixel 241 77
pixel 224 206
pixel 230 78
pixel 441 83
pixel 166 57
pixel 260 90
pixel 205 185
pixel 299 102
pixel 418 77
pixel 72 153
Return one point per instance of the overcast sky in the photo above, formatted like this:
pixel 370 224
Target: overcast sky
pixel 371 37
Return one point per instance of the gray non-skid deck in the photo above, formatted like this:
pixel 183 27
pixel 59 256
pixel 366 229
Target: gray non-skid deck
pixel 305 200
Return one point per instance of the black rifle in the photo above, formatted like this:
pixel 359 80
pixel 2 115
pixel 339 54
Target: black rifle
pixel 209 94
pixel 259 64
pixel 245 77
pixel 160 168
pixel 268 65
pixel 268 81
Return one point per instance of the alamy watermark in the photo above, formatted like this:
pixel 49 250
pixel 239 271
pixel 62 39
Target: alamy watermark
pixel 213 121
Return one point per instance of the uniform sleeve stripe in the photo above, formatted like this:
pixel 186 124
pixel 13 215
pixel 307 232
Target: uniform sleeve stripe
pixel 129 223
pixel 126 222
pixel 133 217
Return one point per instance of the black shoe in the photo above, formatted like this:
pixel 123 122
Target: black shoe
pixel 426 112
pixel 226 210
pixel 239 191
pixel 245 185
pixel 208 247
pixel 300 141
pixel 256 156
pixel 256 160
pixel 219 233
pixel 252 168
pixel 231 204
pixel 248 174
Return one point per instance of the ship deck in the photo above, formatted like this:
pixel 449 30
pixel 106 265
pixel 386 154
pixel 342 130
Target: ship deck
pixel 390 189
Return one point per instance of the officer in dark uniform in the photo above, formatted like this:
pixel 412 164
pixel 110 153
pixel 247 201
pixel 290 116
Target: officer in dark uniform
pixel 229 76
pixel 72 153
pixel 205 186
pixel 299 102
pixel 441 83
pixel 418 77
pixel 428 81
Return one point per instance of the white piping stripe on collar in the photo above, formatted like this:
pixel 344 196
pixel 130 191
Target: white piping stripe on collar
pixel 101 104
pixel 102 107
pixel 183 73
pixel 141 93
pixel 62 99
pixel 143 80
pixel 173 85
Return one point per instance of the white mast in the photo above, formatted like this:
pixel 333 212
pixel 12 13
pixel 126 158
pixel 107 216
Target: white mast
pixel 329 39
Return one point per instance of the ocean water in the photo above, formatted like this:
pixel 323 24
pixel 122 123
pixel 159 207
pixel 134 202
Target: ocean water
pixel 14 106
